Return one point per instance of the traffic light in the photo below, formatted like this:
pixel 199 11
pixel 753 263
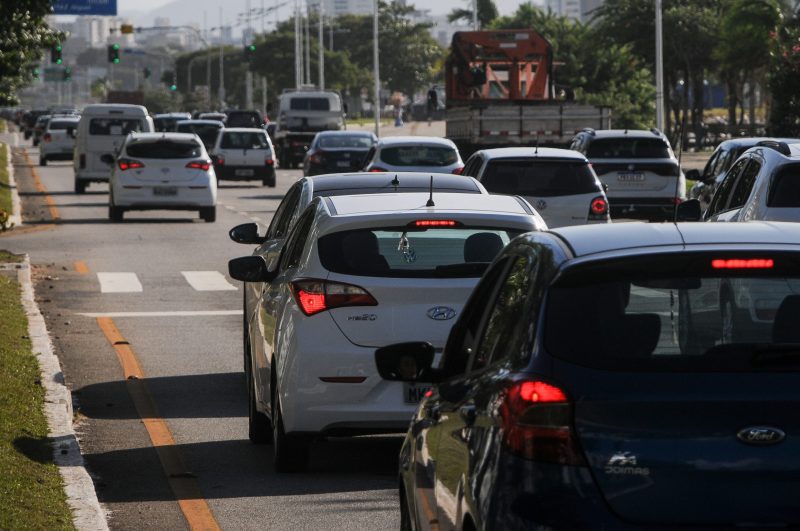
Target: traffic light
pixel 55 54
pixel 173 87
pixel 249 51
pixel 147 72
pixel 113 53
pixel 67 75
pixel 35 72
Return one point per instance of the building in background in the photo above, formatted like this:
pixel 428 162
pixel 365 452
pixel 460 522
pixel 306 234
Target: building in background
pixel 574 9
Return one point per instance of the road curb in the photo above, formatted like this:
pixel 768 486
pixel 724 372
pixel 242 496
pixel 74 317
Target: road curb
pixel 87 513
pixel 16 209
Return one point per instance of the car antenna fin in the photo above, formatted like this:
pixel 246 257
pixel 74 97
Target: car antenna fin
pixel 430 202
pixel 395 181
pixel 536 151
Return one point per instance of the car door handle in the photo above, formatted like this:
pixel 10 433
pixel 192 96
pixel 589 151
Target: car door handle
pixel 468 414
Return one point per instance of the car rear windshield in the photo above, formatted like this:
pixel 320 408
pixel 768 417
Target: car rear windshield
pixel 62 124
pixel 244 119
pixel 419 155
pixel 706 312
pixel 164 149
pixel 628 148
pixel 234 140
pixel 310 104
pixel 541 178
pixel 785 189
pixel 167 124
pixel 345 141
pixel 412 252
pixel 206 132
pixel 114 126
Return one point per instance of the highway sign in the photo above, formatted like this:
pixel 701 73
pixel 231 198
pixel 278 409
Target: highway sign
pixel 85 7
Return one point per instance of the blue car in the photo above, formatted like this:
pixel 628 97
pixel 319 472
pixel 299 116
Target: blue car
pixel 596 380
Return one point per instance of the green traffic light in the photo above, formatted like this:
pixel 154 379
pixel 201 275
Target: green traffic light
pixel 59 61
pixel 252 47
pixel 116 60
pixel 58 47
pixel 173 87
pixel 115 46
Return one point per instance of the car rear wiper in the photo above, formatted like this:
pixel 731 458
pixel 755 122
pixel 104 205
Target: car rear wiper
pixel 777 355
pixel 468 269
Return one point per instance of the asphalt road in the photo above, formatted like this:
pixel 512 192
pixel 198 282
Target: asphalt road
pixel 189 366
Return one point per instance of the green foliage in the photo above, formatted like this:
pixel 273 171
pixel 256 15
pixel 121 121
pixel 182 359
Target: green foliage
pixel 784 79
pixel 24 35
pixel 487 13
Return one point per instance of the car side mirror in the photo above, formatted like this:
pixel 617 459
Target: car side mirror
pixel 250 269
pixel 694 175
pixel 407 362
pixel 246 233
pixel 108 158
pixel 689 211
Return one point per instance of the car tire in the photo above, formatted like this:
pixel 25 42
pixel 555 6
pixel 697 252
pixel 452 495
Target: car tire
pixel 290 454
pixel 208 214
pixel 42 161
pixel 259 428
pixel 80 187
pixel 269 180
pixel 115 213
pixel 35 142
pixel 405 513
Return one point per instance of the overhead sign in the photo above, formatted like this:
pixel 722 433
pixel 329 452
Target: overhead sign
pixel 85 7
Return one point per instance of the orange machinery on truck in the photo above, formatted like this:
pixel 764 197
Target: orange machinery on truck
pixel 500 92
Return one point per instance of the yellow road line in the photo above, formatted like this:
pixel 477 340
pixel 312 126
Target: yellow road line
pixel 184 485
pixel 37 181
pixel 81 267
pixel 28 228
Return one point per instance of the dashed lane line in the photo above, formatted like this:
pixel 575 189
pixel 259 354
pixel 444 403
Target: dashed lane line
pixel 81 267
pixel 208 281
pixel 119 283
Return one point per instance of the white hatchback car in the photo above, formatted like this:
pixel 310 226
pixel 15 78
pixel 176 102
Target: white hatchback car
pixel 244 154
pixel 358 273
pixel 58 140
pixel 559 183
pixel 162 171
pixel 414 153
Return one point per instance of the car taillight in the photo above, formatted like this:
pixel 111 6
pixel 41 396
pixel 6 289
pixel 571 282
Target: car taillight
pixel 269 162
pixel 677 200
pixel 598 207
pixel 129 164
pixel 377 169
pixel 315 158
pixel 314 296
pixel 458 171
pixel 199 165
pixel 220 161
pixel 47 137
pixel 536 420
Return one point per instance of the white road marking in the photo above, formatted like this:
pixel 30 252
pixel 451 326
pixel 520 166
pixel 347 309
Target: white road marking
pixel 178 313
pixel 208 281
pixel 119 283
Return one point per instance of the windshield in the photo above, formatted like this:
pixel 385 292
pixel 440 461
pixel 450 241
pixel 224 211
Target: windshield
pixel 309 104
pixel 345 141
pixel 254 140
pixel 114 126
pixel 164 149
pixel 420 155
pixel 62 124
pixel 539 178
pixel 206 132
pixel 677 312
pixel 628 148
pixel 412 252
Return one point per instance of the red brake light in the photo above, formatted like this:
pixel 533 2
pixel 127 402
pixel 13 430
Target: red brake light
pixel 458 171
pixel 435 223
pixel 128 164
pixel 314 296
pixel 47 137
pixel 269 162
pixel 536 419
pixel 199 165
pixel 743 263
pixel 315 158
pixel 599 206
pixel 220 161
pixel 377 169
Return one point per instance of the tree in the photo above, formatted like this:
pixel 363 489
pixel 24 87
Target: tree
pixel 24 34
pixel 784 79
pixel 487 13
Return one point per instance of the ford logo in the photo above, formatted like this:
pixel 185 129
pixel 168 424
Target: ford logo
pixel 441 313
pixel 760 435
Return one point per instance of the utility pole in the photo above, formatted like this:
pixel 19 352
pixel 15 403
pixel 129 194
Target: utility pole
pixel 308 49
pixel 248 76
pixel 208 61
pixel 376 69
pixel 298 49
pixel 659 69
pixel 475 15
pixel 264 94
pixel 321 47
pixel 221 91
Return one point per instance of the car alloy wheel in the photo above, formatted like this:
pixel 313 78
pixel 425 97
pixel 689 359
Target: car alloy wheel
pixel 290 453
pixel 259 429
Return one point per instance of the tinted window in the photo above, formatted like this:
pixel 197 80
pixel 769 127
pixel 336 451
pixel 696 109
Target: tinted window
pixel 785 189
pixel 745 184
pixel 310 104
pixel 675 312
pixel 297 241
pixel 538 178
pixel 280 223
pixel 166 124
pixel 628 148
pixel 254 140
pixel 720 200
pixel 206 132
pixel 406 252
pixel 114 126
pixel 419 155
pixel 345 141
pixel 62 124
pixel 164 149
pixel 244 119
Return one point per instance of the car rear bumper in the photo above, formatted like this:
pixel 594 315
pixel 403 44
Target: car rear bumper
pixel 144 198
pixel 642 207
pixel 229 173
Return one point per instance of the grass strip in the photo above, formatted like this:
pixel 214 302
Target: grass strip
pixel 31 489
pixel 5 187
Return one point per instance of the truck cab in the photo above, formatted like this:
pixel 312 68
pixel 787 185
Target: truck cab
pixel 301 114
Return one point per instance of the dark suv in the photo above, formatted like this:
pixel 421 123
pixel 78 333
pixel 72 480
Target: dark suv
pixel 641 172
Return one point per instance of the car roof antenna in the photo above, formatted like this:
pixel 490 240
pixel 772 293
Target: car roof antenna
pixel 430 202
pixel 395 181
pixel 536 151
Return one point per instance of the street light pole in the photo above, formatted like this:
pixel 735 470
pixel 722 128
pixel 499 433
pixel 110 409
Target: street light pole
pixel 321 47
pixel 659 69
pixel 475 15
pixel 376 69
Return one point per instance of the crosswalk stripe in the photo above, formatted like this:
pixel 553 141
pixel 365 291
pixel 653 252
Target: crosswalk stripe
pixel 208 281
pixel 119 283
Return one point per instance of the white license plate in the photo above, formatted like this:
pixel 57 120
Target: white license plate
pixel 343 164
pixel 165 190
pixel 634 177
pixel 414 392
pixel 243 173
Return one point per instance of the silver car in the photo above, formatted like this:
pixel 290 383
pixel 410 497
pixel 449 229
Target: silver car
pixel 414 153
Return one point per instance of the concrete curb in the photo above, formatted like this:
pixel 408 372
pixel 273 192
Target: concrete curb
pixel 16 209
pixel 87 513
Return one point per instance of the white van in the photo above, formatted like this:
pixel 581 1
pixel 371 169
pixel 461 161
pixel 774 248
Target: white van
pixel 102 130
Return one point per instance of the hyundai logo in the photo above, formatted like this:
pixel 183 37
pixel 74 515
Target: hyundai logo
pixel 760 435
pixel 441 313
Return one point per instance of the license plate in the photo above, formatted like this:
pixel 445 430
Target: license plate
pixel 165 190
pixel 343 164
pixel 243 173
pixel 635 177
pixel 413 392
